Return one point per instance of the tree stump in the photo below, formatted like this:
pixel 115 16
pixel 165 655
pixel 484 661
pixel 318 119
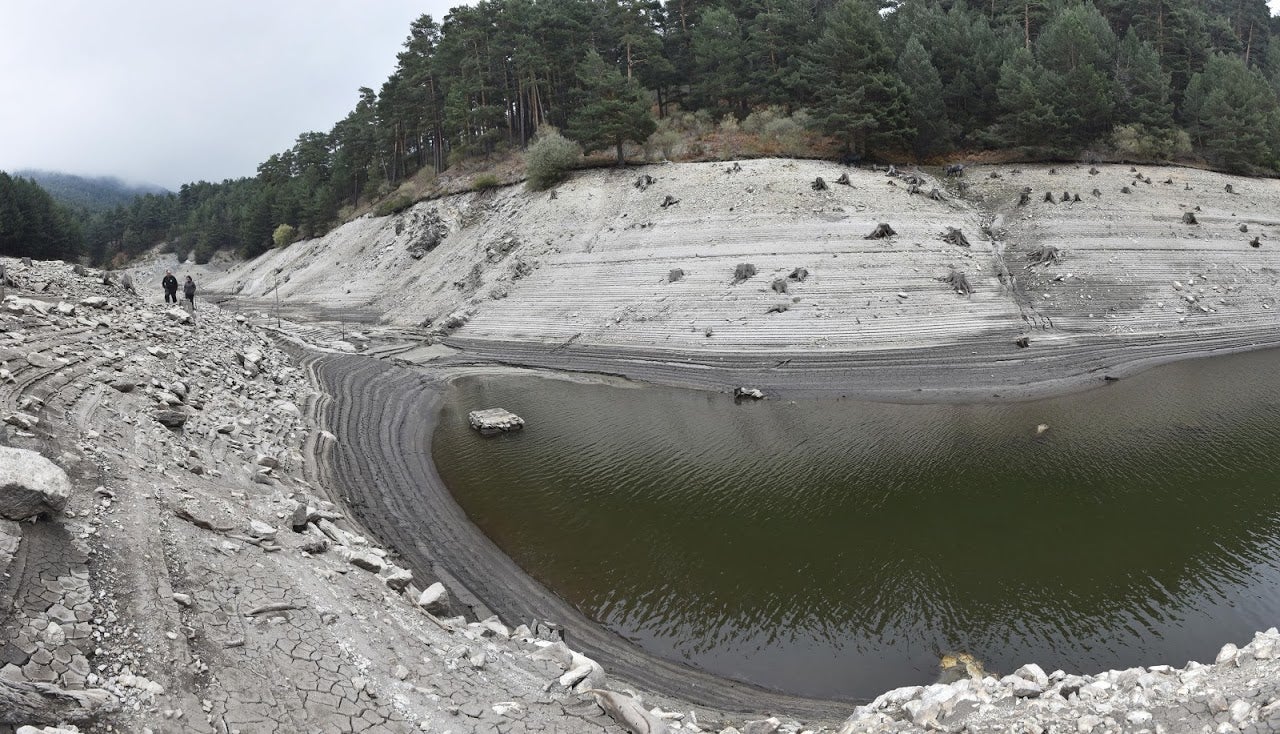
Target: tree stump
pixel 1097 194
pixel 798 275
pixel 1093 171
pixel 954 236
pixel 743 272
pixel 1048 198
pixel 844 180
pixel 882 231
pixel 1075 198
pixel 1243 228
pixel 818 184
pixel 958 282
pixel 1023 342
pixel 1229 189
pixel 955 170
pixel 645 182
pixel 1044 255
pixel 674 275
pixel 1255 242
pixel 1024 198
pixel 1189 218
pixel 936 195
pixel 1125 190
pixel 669 200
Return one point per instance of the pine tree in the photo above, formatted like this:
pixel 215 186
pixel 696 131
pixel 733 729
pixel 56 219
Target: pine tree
pixel 1026 93
pixel 924 93
pixel 1077 48
pixel 1142 86
pixel 1234 114
pixel 857 94
pixel 612 109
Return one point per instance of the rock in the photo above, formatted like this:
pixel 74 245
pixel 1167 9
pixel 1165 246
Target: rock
pixel 400 672
pixel 398 579
pixel 267 460
pixel 259 529
pixel 39 361
pixel 25 421
pixel 748 392
pixel 178 315
pixel 763 726
pixel 366 561
pixel 1138 718
pixel 1228 654
pixel 494 419
pixel 628 712
pixel 435 599
pixel 123 385
pixel 171 418
pixel 31 485
pixel 300 516
pixel 1239 711
pixel 1022 687
pixel 97 302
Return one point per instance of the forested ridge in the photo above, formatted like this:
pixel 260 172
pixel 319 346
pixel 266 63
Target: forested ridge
pixel 924 80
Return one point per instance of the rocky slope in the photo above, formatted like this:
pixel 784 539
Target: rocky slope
pixel 599 275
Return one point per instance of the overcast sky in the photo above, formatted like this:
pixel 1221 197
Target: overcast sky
pixel 166 92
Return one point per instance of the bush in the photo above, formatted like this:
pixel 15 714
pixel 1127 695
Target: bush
pixel 550 158
pixel 666 139
pixel 394 205
pixel 485 181
pixel 283 235
pixel 1138 142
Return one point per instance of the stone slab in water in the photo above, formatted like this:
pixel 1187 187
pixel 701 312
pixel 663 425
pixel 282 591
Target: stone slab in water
pixel 495 419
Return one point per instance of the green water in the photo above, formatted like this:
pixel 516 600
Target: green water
pixel 837 548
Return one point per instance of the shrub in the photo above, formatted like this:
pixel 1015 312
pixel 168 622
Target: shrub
pixel 485 181
pixel 1138 142
pixel 666 139
pixel 283 235
pixel 394 205
pixel 549 159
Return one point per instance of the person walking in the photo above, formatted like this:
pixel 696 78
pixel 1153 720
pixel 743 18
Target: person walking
pixel 170 284
pixel 189 292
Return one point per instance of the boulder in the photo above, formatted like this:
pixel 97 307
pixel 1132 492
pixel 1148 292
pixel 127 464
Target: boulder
pixel 95 302
pixel 491 420
pixel 435 599
pixel 30 485
pixel 178 315
pixel 748 392
pixel 171 418
pixel 397 578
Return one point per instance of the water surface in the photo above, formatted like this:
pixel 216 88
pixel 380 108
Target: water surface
pixel 837 548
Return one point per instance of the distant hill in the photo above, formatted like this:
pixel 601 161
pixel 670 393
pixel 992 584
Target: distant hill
pixel 92 194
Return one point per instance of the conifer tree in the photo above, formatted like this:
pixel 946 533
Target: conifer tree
pixel 612 109
pixel 1233 114
pixel 925 100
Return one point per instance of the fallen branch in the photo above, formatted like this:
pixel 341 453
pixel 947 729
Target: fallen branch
pixel 24 702
pixel 276 607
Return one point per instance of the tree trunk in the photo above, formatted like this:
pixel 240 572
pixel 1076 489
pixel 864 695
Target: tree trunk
pixel 621 161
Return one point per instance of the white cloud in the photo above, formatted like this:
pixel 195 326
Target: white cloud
pixel 163 92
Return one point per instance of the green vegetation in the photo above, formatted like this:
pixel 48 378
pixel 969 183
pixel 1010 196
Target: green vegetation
pixel 394 205
pixel 550 158
pixel 890 80
pixel 486 181
pixel 87 194
pixel 33 225
pixel 283 235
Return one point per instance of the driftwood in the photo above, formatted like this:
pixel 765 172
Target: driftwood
pixel 1045 255
pixel 669 200
pixel 818 184
pixel 1189 218
pixel 743 272
pixel 645 182
pixel 881 231
pixel 844 180
pixel 954 236
pixel 799 275
pixel 23 702
pixel 958 282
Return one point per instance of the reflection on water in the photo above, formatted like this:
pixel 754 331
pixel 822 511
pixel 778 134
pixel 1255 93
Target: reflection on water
pixel 838 548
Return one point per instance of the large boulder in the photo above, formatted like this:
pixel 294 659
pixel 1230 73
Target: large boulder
pixel 30 485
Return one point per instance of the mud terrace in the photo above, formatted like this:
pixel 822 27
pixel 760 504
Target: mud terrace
pixel 211 571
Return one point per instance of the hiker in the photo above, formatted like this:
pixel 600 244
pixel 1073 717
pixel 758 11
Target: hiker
pixel 170 284
pixel 189 292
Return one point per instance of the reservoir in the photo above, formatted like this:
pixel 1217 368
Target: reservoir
pixel 839 548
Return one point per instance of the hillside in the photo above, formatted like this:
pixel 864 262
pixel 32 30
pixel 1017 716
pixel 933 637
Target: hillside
pixel 92 194
pixel 525 277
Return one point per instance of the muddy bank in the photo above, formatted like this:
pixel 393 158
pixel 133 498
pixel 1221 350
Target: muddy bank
pixel 383 417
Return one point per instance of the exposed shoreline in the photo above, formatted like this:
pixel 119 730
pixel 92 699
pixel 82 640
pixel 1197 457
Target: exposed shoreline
pixel 403 403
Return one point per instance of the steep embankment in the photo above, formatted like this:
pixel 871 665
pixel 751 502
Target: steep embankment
pixel 584 279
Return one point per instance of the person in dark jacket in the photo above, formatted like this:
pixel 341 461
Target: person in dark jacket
pixel 170 284
pixel 189 292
